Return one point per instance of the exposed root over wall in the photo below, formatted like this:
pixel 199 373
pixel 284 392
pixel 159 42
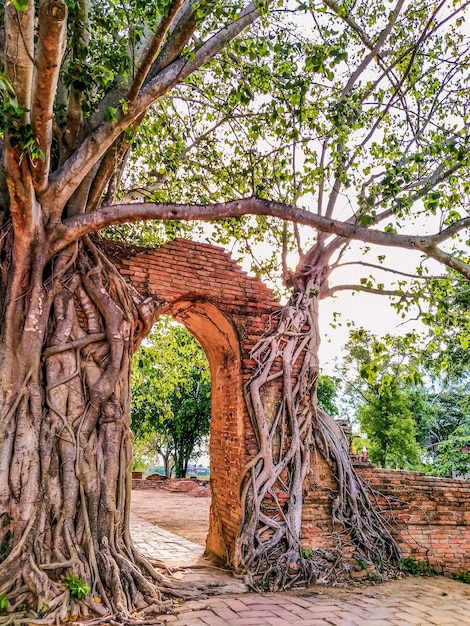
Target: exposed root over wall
pixel 288 424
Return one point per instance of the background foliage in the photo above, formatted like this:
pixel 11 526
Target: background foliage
pixel 171 396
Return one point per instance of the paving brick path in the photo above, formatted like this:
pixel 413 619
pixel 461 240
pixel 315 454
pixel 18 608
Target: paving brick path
pixel 435 601
pixel 409 602
pixel 157 543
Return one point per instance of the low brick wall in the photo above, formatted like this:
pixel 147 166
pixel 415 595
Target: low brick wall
pixel 143 484
pixel 428 516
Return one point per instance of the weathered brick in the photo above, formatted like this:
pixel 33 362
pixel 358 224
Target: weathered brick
pixel 228 311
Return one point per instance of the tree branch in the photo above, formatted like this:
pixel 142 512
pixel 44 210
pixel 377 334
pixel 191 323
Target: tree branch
pixel 65 180
pixel 19 52
pixel 51 47
pixel 154 48
pixel 19 66
pixel 79 39
pixel 374 290
pixel 180 35
pixel 375 49
pixel 381 268
pixel 76 227
pixel 450 231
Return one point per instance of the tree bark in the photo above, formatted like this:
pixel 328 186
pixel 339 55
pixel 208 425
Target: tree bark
pixel 67 343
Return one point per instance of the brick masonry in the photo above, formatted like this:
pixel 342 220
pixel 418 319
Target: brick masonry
pixel 429 516
pixel 227 311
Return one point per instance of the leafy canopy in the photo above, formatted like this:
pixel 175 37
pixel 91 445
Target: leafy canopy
pixel 408 410
pixel 353 114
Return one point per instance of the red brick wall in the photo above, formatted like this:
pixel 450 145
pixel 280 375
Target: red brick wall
pixel 227 311
pixel 429 516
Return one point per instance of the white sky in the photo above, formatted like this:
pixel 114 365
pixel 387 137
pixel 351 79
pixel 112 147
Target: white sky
pixel 373 312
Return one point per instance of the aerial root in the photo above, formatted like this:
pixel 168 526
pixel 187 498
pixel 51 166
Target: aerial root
pixel 268 548
pixel 131 599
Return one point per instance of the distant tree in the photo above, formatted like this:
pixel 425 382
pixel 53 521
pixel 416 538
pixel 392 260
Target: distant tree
pixel 405 404
pixel 171 395
pixel 386 418
pixel 438 413
pixel 383 379
pixel 189 426
pixel 453 455
pixel 327 392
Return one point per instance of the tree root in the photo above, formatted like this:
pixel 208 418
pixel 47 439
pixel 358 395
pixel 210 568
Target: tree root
pixel 74 560
pixel 268 549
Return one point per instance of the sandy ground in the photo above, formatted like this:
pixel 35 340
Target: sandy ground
pixel 180 513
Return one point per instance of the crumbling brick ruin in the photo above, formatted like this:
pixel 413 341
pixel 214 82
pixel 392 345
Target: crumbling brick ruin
pixel 227 311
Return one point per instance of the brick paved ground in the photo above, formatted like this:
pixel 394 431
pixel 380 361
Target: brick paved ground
pixel 435 601
pixel 157 543
pixel 409 602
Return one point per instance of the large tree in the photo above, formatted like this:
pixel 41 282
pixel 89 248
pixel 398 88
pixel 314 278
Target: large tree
pixel 360 115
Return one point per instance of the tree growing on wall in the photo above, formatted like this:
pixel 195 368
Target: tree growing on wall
pixel 360 118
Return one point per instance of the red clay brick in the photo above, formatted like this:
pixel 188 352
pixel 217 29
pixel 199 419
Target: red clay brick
pixel 433 514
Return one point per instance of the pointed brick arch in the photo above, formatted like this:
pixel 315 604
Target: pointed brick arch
pixel 226 310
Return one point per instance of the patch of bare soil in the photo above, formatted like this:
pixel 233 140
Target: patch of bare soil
pixel 184 514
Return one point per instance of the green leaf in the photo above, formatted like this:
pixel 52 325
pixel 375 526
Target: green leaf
pixel 20 5
pixel 3 602
pixel 110 115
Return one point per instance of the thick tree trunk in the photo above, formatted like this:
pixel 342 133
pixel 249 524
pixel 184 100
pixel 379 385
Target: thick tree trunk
pixel 69 329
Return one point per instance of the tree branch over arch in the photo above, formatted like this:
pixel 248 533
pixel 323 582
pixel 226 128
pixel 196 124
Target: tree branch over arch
pixel 76 227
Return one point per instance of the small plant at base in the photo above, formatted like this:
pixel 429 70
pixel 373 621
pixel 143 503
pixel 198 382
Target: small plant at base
pixel 374 577
pixel 463 577
pixel 3 602
pixel 76 586
pixel 45 609
pixel 417 568
pixel 306 553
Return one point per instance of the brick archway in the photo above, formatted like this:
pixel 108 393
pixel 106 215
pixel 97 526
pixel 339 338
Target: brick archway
pixel 226 310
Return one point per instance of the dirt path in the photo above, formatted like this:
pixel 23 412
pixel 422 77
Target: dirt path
pixel 179 513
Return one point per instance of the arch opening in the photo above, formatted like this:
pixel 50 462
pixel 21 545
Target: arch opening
pixel 219 340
